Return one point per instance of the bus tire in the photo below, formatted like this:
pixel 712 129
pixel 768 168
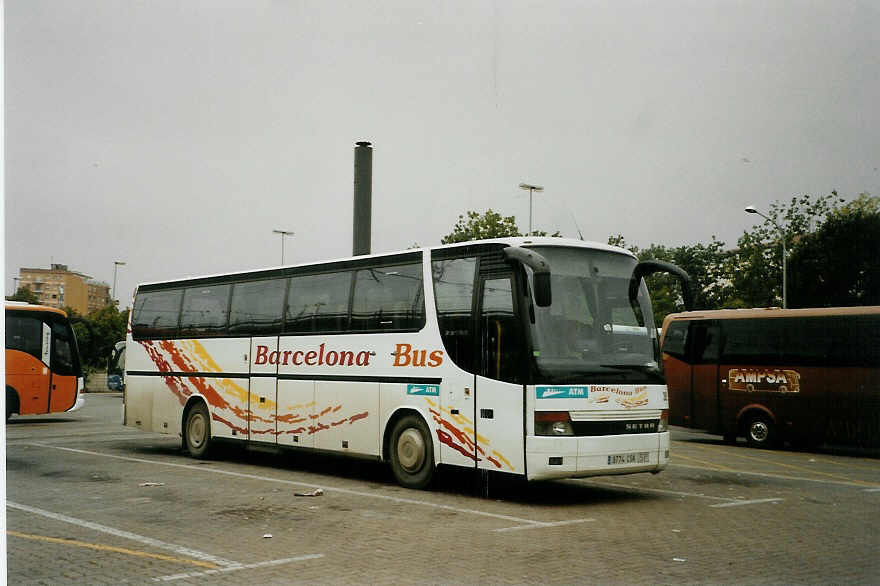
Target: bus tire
pixel 412 452
pixel 11 402
pixel 197 431
pixel 760 431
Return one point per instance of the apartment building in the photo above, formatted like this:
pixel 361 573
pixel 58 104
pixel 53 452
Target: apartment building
pixel 60 287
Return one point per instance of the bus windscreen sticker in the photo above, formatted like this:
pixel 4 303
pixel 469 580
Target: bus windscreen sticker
pixel 563 392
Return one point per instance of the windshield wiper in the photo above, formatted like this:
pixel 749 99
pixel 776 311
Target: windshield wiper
pixel 637 367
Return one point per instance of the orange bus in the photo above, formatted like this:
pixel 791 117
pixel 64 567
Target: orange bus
pixel 43 372
pixel 803 375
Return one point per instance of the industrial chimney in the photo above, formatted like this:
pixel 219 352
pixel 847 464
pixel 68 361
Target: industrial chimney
pixel 363 197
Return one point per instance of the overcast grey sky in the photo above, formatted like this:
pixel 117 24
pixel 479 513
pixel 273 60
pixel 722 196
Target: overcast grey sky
pixel 176 135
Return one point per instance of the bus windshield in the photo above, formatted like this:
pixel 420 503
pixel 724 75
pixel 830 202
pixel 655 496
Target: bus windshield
pixel 592 331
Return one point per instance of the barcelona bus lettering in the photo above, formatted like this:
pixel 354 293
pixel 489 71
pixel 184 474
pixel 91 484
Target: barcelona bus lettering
pixel 318 357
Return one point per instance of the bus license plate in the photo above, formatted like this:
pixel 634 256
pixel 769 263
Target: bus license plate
pixel 633 458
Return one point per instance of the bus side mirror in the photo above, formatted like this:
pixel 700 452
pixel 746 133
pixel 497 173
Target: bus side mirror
pixel 649 267
pixel 540 271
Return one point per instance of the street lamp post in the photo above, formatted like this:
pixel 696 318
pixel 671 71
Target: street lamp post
pixel 753 210
pixel 116 265
pixel 282 233
pixel 532 189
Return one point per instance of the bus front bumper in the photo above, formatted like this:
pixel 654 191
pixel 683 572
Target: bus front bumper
pixel 570 457
pixel 80 401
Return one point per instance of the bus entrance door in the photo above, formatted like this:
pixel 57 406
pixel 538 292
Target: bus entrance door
pixel 499 396
pixel 706 399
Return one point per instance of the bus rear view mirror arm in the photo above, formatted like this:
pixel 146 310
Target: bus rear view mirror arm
pixel 540 269
pixel 649 267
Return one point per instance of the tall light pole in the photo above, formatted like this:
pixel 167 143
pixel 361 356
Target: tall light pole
pixel 753 210
pixel 532 189
pixel 116 265
pixel 283 233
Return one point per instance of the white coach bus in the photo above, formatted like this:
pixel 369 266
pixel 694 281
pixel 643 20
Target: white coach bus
pixel 531 356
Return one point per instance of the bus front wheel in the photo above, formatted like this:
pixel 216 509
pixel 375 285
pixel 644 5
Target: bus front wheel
pixel 198 431
pixel 760 431
pixel 412 452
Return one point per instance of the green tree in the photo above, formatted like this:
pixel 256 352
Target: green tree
pixel 839 264
pixel 491 224
pixel 707 265
pixel 25 294
pixel 97 333
pixel 756 264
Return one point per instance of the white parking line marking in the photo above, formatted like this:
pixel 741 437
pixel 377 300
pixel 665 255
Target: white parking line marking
pixel 213 470
pixel 872 490
pixel 178 549
pixel 639 489
pixel 312 556
pixel 540 525
pixel 741 503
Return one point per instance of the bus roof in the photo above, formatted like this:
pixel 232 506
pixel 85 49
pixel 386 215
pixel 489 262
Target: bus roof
pixel 23 306
pixel 770 312
pixel 510 241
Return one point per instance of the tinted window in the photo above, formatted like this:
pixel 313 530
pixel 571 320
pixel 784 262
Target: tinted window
pixel 753 341
pixel 388 298
pixel 705 342
pixel 453 293
pixel 64 358
pixel 501 341
pixel 156 314
pixel 675 340
pixel 24 333
pixel 257 307
pixel 318 303
pixel 205 310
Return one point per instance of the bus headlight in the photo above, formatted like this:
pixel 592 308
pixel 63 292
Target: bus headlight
pixel 553 423
pixel 663 425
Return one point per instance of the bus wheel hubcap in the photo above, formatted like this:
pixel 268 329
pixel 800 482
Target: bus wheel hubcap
pixel 196 431
pixel 411 450
pixel 759 431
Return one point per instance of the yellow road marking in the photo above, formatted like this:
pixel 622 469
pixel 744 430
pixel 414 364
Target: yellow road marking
pixel 798 468
pixel 112 548
pixel 875 468
pixel 711 464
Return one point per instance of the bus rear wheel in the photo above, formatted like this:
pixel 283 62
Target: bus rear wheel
pixel 412 453
pixel 760 431
pixel 197 430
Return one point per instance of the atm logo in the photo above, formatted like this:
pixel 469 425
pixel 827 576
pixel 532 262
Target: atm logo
pixel 563 392
pixel 423 390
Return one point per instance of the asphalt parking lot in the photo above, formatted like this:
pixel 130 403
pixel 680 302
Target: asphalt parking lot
pixel 89 501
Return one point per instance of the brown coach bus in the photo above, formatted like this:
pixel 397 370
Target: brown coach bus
pixel 803 375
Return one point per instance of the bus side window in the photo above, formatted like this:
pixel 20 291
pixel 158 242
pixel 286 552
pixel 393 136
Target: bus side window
pixel 675 341
pixel 62 350
pixel 388 299
pixel 257 307
pixel 706 342
pixel 156 314
pixel 205 310
pixel 454 293
pixel 318 303
pixel 24 333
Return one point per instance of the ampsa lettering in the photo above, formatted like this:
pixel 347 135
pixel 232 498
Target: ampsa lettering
pixel 319 357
